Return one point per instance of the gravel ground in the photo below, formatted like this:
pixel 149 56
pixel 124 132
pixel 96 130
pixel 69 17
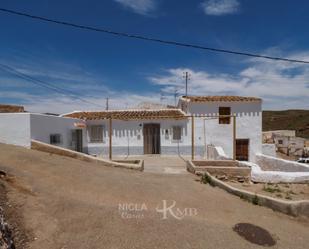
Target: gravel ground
pixel 66 203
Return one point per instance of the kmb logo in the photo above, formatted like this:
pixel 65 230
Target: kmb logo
pixel 175 212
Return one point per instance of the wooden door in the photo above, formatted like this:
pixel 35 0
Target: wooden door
pixel 77 139
pixel 151 133
pixel 242 149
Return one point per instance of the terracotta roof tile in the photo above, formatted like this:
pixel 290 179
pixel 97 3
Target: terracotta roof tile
pixel 130 114
pixel 11 108
pixel 221 99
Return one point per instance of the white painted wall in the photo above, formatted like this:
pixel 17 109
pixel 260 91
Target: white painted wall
pixel 248 125
pixel 216 153
pixel 259 175
pixel 278 164
pixel 42 126
pixel 129 135
pixel 15 129
pixel 269 149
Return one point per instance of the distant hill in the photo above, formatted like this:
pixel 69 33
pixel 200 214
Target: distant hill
pixel 4 108
pixel 287 120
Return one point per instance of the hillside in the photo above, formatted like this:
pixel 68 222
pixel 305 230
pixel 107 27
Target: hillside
pixel 287 120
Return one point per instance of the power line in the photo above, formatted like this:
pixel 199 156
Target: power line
pixel 44 84
pixel 152 39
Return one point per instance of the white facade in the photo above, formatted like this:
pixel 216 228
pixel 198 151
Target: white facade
pixel 248 125
pixel 15 129
pixel 128 137
pixel 20 128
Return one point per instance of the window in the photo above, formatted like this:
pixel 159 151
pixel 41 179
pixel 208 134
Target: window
pixel 224 111
pixel 280 141
pixel 55 138
pixel 176 132
pixel 96 134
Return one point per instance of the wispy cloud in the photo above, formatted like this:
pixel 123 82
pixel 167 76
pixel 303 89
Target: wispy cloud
pixel 90 88
pixel 281 85
pixel 220 7
pixel 143 7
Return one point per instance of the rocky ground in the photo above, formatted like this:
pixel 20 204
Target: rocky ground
pixel 12 232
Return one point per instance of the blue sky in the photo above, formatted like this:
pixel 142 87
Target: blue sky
pixel 97 65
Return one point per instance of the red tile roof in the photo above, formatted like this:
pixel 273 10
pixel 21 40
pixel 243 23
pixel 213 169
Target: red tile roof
pixel 130 114
pixel 11 108
pixel 221 99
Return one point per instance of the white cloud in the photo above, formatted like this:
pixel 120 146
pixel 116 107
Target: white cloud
pixel 143 7
pixel 281 85
pixel 220 7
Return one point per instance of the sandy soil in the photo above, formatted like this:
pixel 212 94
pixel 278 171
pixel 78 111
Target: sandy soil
pixel 283 191
pixel 67 203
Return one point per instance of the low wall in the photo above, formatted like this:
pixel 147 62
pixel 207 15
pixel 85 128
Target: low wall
pixel 230 171
pixel 294 208
pixel 269 149
pixel 216 153
pixel 223 163
pixel 35 145
pixel 268 163
pixel 259 175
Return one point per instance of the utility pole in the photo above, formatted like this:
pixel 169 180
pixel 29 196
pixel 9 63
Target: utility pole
pixel 186 76
pixel 175 96
pixel 107 104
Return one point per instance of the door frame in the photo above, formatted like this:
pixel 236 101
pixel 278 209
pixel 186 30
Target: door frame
pixel 153 139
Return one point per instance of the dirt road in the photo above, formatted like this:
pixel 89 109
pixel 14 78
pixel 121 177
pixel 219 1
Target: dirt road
pixel 71 204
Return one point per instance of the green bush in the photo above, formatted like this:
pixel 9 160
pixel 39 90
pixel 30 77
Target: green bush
pixel 269 189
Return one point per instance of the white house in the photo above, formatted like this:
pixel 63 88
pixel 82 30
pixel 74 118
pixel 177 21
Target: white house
pixel 21 128
pixel 136 132
pixel 169 131
pixel 148 131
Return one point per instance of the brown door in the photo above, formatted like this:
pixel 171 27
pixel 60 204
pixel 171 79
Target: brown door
pixel 151 133
pixel 242 149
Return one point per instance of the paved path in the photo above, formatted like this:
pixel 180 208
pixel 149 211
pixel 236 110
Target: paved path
pixel 82 205
pixel 163 164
